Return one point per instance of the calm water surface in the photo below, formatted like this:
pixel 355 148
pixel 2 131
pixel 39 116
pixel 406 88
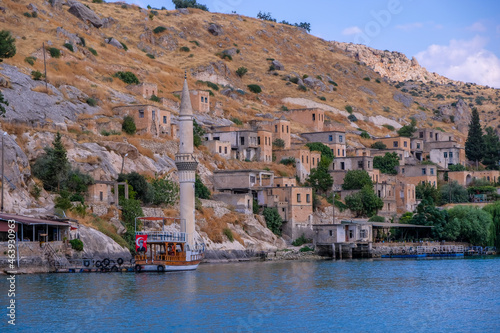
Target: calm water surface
pixel 436 295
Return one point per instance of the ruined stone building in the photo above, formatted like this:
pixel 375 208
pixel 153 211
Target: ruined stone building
pixel 148 118
pixel 335 140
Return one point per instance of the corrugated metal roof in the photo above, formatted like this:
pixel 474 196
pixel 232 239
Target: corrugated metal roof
pixel 31 220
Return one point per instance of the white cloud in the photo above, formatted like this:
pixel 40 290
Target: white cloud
pixel 477 27
pixel 352 31
pixel 463 60
pixel 410 26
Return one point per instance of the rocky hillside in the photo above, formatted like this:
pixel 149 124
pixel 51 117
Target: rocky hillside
pixel 293 68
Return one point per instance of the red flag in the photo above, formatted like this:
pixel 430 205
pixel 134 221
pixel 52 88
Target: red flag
pixel 141 243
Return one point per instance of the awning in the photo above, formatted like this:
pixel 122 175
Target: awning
pixel 27 220
pixel 398 225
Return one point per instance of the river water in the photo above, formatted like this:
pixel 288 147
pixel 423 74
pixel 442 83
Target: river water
pixel 385 295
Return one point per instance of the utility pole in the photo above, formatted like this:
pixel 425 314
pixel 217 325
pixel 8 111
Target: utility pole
pixel 45 66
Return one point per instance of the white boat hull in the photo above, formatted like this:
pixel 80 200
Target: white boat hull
pixel 168 268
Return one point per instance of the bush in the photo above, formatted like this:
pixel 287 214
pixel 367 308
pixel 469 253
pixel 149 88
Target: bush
pixel 377 80
pixel 91 101
pixel 288 161
pixel 356 179
pixel 76 244
pixel 149 55
pixel 200 190
pixel 224 56
pixel 128 125
pixel 366 78
pixel 93 51
pixel 348 108
pixel 209 84
pixel 236 121
pixel 323 98
pixel 294 79
pixel 255 88
pixel 306 249
pixel 54 52
pixel 165 191
pixel 189 4
pixel 378 145
pixel 352 118
pixel 195 42
pixel 82 42
pixel 27 14
pixel 333 82
pixel 300 241
pixel 69 47
pixel 364 135
pixel 241 71
pixel 198 133
pixel 36 75
pixel 108 133
pixel 229 234
pixel 155 98
pixel 124 46
pixel 389 127
pixel 127 77
pixel 184 49
pixel 7 45
pixel 159 29
pixel 30 60
pixel 302 87
pixel 265 16
pixel 273 220
pixel 279 143
pixel 97 1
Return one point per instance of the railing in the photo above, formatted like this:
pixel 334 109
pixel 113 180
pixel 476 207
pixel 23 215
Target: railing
pixel 164 236
pixel 54 260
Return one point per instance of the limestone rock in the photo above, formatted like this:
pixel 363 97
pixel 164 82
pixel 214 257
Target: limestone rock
pixel 73 38
pixel 32 7
pixel 402 98
pixel 183 11
pixel 85 14
pixel 278 65
pixel 215 29
pixel 108 22
pixel 98 246
pixel 56 4
pixel 232 51
pixel 114 42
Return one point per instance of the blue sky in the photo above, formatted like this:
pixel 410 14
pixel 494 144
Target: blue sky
pixel 455 38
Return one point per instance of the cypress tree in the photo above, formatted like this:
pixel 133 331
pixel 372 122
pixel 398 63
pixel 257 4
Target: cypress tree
pixel 474 146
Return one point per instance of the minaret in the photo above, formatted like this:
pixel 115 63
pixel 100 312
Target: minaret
pixel 186 165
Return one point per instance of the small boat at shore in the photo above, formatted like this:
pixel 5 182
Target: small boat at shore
pixel 165 251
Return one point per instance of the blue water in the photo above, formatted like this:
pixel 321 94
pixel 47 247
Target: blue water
pixel 386 295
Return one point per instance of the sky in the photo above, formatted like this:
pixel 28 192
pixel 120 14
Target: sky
pixel 456 38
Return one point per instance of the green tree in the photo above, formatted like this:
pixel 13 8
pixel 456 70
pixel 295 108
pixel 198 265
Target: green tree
pixel 387 163
pixel 131 209
pixel 365 202
pixel 273 220
pixel 428 214
pixel 356 180
pixel 2 108
pixel 7 45
pixel 140 185
pixel 165 191
pixel 128 125
pixel 319 179
pixel 241 71
pixel 491 149
pixel 198 133
pixel 408 130
pixel 200 190
pixel 474 224
pixel 428 192
pixel 189 4
pixel 53 167
pixel 379 145
pixel 325 151
pixel 279 143
pixel 474 146
pixel 453 192
pixel 63 201
pixel 127 77
pixel 494 231
pixel 456 167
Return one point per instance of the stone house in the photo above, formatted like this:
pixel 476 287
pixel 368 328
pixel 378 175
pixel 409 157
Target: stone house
pixel 335 140
pixel 430 135
pixel 242 181
pixel 464 178
pixel 222 148
pixel 148 118
pixel 280 129
pixel 445 153
pixel 418 174
pixel 338 169
pixel 305 160
pixel 417 148
pixel 245 144
pixel 406 201
pixel 398 142
pixel 313 117
pixel 200 100
pixel 146 90
pixel 402 153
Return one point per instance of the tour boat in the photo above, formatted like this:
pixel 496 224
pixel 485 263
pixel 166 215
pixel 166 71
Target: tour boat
pixel 165 251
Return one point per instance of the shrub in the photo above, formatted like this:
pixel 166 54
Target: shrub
pixel 165 191
pixel 378 145
pixel 255 88
pixel 30 60
pixel 155 98
pixel 224 56
pixel 198 133
pixel 124 46
pixel 294 79
pixel 306 249
pixel 352 118
pixel 200 189
pixel 82 42
pixel 377 80
pixel 366 78
pixel 91 101
pixel 288 161
pixel 69 47
pixel 376 218
pixel 279 143
pixel 348 108
pixel 300 241
pixel 229 234
pixel 302 87
pixel 27 14
pixel 149 55
pixel 323 98
pixel 108 133
pixel 209 84
pixel 273 220
pixel 127 77
pixel 333 82
pixel 159 29
pixel 76 244
pixel 185 49
pixel 97 1
pixel 236 121
pixel 93 51
pixel 36 75
pixel 189 4
pixel 128 125
pixel 265 16
pixel 54 52
pixel 241 71
pixel 7 45
pixel 364 135
pixel 389 127
pixel 195 42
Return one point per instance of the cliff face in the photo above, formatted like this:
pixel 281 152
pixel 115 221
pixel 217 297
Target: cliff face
pixel 393 65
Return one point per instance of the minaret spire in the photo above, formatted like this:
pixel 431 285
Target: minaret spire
pixel 186 165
